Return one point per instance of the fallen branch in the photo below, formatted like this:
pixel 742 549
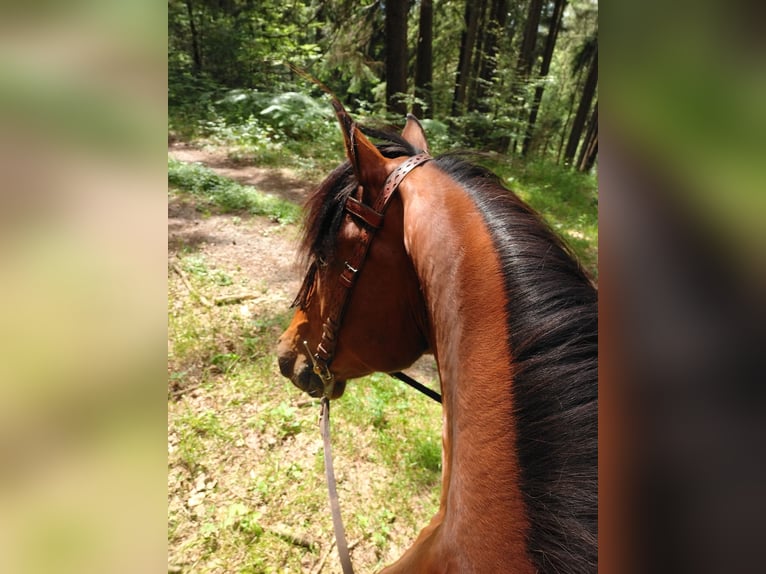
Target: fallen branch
pixel 177 391
pixel 294 539
pixel 320 563
pixel 231 299
pixel 307 403
pixel 202 299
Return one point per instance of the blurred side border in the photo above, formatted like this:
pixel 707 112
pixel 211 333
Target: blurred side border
pixel 681 187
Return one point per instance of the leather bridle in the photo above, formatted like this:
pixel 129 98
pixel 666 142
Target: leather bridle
pixel 372 219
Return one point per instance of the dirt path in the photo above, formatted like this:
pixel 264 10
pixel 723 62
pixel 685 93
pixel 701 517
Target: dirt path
pixel 257 253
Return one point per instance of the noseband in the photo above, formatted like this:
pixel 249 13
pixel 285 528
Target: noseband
pixel 372 219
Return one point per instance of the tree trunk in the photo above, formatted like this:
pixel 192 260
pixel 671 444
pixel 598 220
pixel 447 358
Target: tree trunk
pixel 396 55
pixel 497 20
pixel 589 148
pixel 527 52
pixel 526 61
pixel 570 111
pixel 467 42
pixel 582 110
pixel 424 62
pixel 550 43
pixel 196 54
pixel 592 154
pixel 478 55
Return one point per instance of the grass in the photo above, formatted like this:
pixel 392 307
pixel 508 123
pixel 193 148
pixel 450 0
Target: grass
pixel 245 473
pixel 213 190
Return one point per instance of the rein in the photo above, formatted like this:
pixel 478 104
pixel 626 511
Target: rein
pixel 337 520
pixel 372 217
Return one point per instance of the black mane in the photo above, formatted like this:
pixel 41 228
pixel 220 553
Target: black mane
pixel 552 327
pixel 552 314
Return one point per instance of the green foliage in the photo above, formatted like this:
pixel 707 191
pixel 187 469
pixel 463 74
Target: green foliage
pixel 424 458
pixel 283 417
pixel 281 116
pixel 229 76
pixel 240 518
pixel 288 129
pixel 481 131
pixel 204 424
pixel 439 137
pixel 242 44
pixel 237 105
pixel 195 265
pixel 299 116
pixel 568 201
pixel 190 99
pixel 229 196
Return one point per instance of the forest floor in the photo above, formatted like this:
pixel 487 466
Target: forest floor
pixel 281 182
pixel 259 249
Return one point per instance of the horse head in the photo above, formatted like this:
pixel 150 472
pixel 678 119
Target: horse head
pixel 382 323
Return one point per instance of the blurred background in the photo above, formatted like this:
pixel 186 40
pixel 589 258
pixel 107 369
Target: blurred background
pixel 681 190
pixel 90 90
pixel 82 286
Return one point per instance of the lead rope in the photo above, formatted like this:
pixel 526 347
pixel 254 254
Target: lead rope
pixel 337 521
pixel 324 425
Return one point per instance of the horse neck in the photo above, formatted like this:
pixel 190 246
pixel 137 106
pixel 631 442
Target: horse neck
pixel 459 270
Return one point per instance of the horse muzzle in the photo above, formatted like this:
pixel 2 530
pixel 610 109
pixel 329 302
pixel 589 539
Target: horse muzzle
pixel 299 369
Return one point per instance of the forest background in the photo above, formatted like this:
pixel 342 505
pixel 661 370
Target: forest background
pixel 84 416
pixel 513 77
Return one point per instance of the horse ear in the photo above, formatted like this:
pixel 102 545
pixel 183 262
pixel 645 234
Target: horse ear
pixel 413 133
pixel 368 163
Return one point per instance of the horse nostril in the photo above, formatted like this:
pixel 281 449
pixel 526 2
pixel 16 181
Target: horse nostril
pixel 286 364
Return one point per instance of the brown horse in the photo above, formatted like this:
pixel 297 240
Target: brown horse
pixel 462 268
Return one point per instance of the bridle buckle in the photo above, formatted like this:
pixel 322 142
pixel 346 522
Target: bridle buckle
pixel 322 371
